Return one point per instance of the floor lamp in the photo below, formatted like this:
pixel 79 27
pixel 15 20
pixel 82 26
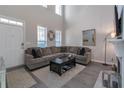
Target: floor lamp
pixel 113 34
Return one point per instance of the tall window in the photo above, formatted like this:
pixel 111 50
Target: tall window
pixel 44 6
pixel 41 36
pixel 58 38
pixel 58 10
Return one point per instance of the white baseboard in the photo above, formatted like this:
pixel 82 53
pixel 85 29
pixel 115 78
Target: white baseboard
pixel 100 61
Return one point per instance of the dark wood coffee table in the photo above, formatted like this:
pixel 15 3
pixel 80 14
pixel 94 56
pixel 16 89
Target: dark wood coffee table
pixel 61 65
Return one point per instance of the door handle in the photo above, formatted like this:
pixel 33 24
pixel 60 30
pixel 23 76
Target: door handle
pixel 22 45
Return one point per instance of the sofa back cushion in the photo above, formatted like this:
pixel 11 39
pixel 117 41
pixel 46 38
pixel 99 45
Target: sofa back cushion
pixel 47 51
pixel 63 49
pixel 55 49
pixel 51 50
pixel 87 49
pixel 28 51
pixel 71 49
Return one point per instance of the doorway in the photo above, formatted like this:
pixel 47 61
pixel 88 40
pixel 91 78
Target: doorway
pixel 12 44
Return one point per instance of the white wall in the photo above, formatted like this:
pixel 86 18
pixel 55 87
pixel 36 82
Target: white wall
pixel 79 18
pixel 33 16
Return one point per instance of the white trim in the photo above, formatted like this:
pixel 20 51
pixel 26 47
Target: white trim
pixel 100 61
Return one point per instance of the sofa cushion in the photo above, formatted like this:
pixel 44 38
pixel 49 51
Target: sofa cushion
pixel 67 54
pixel 39 60
pixel 28 51
pixel 46 51
pixel 63 49
pixel 59 54
pixel 55 49
pixel 48 57
pixel 71 49
pixel 43 59
pixel 80 57
pixel 67 49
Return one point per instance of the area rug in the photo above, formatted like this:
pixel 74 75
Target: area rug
pixel 98 83
pixel 53 80
pixel 19 78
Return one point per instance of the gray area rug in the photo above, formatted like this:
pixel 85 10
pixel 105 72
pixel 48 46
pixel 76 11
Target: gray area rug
pixel 53 80
pixel 19 78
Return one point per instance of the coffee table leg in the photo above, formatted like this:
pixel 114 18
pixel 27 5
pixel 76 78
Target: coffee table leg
pixel 50 67
pixel 59 71
pixel 60 74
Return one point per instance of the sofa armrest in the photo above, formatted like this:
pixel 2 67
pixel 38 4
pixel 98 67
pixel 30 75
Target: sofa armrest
pixel 88 56
pixel 28 58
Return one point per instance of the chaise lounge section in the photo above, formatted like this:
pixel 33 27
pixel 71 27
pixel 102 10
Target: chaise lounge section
pixel 36 57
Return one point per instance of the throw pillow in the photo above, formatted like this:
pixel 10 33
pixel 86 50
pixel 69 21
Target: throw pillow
pixel 82 51
pixel 39 52
pixel 36 53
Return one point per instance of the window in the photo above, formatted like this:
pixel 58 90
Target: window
pixel 11 22
pixel 42 36
pixel 3 20
pixel 58 38
pixel 44 6
pixel 19 23
pixel 58 9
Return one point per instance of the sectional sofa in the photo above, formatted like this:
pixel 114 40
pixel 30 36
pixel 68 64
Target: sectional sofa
pixel 36 57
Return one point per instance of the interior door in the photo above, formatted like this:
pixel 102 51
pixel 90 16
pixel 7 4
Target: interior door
pixel 11 45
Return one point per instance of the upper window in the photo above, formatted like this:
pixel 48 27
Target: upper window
pixel 58 38
pixel 42 36
pixel 44 6
pixel 58 10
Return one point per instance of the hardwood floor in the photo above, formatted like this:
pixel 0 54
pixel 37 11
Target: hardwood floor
pixel 87 77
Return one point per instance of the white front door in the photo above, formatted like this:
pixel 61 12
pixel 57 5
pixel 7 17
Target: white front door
pixel 11 44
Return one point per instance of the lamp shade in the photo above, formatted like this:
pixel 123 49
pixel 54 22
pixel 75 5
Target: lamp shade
pixel 113 34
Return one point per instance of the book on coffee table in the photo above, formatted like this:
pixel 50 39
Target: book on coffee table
pixel 66 67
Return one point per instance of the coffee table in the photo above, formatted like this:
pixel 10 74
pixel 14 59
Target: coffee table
pixel 61 65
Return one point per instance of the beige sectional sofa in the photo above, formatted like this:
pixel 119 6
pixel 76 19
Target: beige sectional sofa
pixel 36 57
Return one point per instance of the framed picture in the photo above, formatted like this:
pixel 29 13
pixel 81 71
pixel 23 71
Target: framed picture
pixel 89 37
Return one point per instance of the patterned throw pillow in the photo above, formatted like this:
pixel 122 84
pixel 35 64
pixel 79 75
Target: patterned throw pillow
pixel 39 52
pixel 36 53
pixel 82 51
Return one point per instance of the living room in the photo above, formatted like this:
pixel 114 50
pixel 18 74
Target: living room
pixel 44 36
